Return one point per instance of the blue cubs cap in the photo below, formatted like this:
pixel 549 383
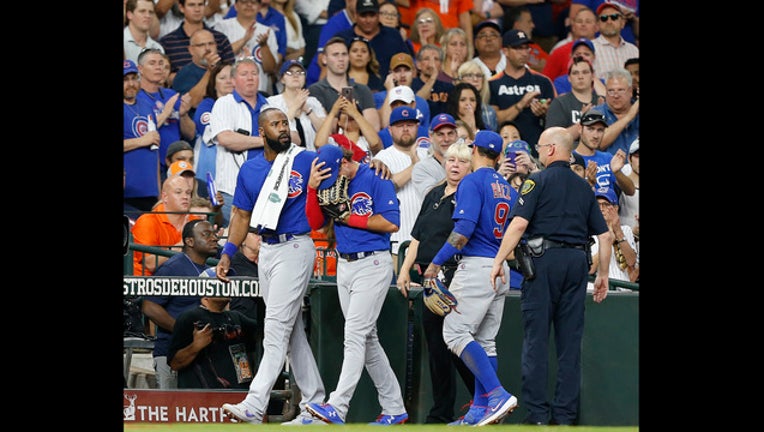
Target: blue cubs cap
pixel 331 154
pixel 488 139
pixel 403 113
pixel 441 120
pixel 514 38
pixel 288 65
pixel 128 67
pixel 518 145
pixel 607 193
pixel 582 41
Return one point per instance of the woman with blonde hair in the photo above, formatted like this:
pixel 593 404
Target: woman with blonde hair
pixel 471 72
pixel 456 51
pixel 426 29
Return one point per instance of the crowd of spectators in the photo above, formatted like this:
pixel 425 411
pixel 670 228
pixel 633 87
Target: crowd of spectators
pixel 407 83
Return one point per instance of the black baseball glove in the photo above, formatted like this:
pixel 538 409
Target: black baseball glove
pixel 334 200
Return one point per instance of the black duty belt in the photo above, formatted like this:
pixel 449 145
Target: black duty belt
pixel 355 256
pixel 553 244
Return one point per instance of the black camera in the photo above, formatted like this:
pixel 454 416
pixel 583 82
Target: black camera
pixel 217 331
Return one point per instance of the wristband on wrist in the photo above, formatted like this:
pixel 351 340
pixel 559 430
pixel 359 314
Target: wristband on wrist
pixel 358 221
pixel 447 251
pixel 229 249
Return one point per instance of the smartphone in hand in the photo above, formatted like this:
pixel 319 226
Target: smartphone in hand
pixel 347 92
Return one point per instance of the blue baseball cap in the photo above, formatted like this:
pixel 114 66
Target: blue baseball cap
pixel 286 66
pixel 488 139
pixel 128 67
pixel 441 120
pixel 403 113
pixel 607 193
pixel 582 41
pixel 331 154
pixel 518 145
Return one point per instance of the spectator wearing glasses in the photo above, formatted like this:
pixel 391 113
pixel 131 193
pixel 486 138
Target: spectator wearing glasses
pixel 452 13
pixel 194 76
pixel 612 49
pixel 566 110
pixel 178 45
pixel 305 112
pixel 390 17
pixel 470 72
pixel 519 93
pixel 623 256
pixel 621 114
pixel 629 9
pixel 426 29
pixel 490 56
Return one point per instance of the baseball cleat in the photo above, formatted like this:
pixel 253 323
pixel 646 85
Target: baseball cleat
pixel 387 420
pixel 325 412
pixel 500 404
pixel 472 417
pixel 304 418
pixel 238 413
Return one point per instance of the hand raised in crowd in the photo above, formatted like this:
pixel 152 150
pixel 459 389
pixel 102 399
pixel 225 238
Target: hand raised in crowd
pixel 262 40
pixel 528 98
pixel 167 110
pixel 211 59
pixel 618 160
pixel 349 108
pixel 591 173
pixel 185 104
pixel 249 33
pixel 390 81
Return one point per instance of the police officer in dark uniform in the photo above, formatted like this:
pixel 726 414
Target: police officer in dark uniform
pixel 552 222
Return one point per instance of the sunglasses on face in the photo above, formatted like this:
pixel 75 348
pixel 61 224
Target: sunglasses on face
pixel 613 17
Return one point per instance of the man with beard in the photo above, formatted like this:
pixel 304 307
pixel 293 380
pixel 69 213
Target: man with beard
pixel 401 157
pixel 273 205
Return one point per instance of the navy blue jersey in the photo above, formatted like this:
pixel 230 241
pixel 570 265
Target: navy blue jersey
pixel 484 197
pixel 507 91
pixel 369 195
pixel 559 206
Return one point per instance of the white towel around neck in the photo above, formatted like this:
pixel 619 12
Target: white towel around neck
pixel 274 193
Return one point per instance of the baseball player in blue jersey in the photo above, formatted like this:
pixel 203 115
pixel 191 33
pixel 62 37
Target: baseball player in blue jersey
pixel 364 272
pixel 286 260
pixel 483 202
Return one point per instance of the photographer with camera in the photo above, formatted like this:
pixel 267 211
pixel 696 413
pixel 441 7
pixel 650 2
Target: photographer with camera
pixel 212 347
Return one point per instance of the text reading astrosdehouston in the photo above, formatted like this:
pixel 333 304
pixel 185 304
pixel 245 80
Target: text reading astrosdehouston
pixel 189 286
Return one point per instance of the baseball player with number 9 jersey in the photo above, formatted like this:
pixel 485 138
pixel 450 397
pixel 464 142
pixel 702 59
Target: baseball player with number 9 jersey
pixel 483 202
